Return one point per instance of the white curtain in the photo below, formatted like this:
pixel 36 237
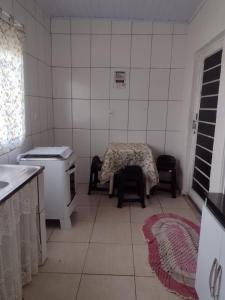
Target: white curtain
pixel 19 241
pixel 12 111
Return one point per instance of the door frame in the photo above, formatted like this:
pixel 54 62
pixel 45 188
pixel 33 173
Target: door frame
pixel 212 47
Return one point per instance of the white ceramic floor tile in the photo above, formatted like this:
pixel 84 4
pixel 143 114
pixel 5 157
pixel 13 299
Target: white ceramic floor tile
pixel 85 213
pixel 49 232
pixel 111 233
pixel 113 215
pixel 139 215
pixel 80 233
pixel 150 288
pixel 168 202
pixel 141 264
pixel 97 287
pixel 137 234
pixel 110 259
pixel 65 258
pixel 87 200
pixel 82 188
pixel 183 212
pixel 107 201
pixel 52 287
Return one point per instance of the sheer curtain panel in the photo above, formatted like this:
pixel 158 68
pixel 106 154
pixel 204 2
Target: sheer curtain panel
pixel 12 111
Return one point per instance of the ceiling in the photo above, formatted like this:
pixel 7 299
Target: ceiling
pixel 159 10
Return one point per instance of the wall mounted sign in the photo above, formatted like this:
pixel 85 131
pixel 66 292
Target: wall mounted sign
pixel 119 79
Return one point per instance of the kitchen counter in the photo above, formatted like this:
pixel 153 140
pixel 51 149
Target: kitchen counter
pixel 14 177
pixel 216 204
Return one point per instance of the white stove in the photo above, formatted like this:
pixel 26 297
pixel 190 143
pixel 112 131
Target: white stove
pixel 59 180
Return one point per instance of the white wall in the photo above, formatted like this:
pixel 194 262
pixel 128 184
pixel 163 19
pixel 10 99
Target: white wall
pixel 37 64
pixel 89 112
pixel 204 28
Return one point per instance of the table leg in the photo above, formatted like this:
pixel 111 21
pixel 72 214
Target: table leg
pixel 111 183
pixel 147 188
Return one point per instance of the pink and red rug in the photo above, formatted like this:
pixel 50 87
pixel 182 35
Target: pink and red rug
pixel 173 247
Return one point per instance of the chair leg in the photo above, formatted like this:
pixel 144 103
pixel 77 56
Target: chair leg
pixel 90 183
pixel 142 193
pixel 152 192
pixel 174 183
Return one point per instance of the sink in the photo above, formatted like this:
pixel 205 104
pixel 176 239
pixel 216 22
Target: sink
pixel 3 184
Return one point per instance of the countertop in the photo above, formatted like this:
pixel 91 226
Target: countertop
pixel 216 204
pixel 16 176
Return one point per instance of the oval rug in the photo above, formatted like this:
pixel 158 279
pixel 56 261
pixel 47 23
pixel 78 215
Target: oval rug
pixel 173 248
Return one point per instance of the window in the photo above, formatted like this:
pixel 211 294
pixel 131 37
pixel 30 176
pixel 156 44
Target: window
pixel 12 111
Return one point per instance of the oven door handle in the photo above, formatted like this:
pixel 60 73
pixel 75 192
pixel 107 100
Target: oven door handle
pixel 71 171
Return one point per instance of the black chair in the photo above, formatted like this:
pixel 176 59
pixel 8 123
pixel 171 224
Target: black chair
pixel 96 166
pixel 131 178
pixel 166 164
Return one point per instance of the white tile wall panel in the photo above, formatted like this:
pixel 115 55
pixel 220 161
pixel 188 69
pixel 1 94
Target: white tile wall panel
pixel 118 136
pixel 61 83
pixel 62 113
pixel 119 114
pixel 162 28
pixel 176 84
pixel 44 113
pixel 173 144
pixel 141 51
pixel 35 114
pixel 99 114
pixel 157 113
pixel 63 137
pixel 82 142
pixel 30 44
pixel 60 25
pixel 82 26
pixel 83 169
pixel 27 116
pixel 121 27
pixel 120 51
pixel 81 83
pixel 161 51
pixel 136 136
pixel 100 50
pixel 100 79
pixel 30 75
pixel 180 28
pixel 156 140
pixel 101 26
pixel 99 142
pixel 61 50
pixel 81 114
pixel 142 27
pixel 81 49
pixel 159 84
pixel 179 51
pixel 139 84
pixel 138 111
pixel 174 116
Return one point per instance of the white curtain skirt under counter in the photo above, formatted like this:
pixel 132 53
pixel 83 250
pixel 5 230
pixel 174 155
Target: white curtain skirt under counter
pixel 19 241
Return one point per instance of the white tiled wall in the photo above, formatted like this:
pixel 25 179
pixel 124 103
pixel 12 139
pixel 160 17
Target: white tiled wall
pixel 89 112
pixel 37 75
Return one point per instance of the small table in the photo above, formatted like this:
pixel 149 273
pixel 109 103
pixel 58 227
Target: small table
pixel 119 155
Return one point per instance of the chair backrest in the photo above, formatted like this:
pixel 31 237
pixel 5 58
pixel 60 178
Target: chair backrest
pixel 132 172
pixel 166 162
pixel 96 163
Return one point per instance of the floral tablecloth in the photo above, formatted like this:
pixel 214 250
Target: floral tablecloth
pixel 120 155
